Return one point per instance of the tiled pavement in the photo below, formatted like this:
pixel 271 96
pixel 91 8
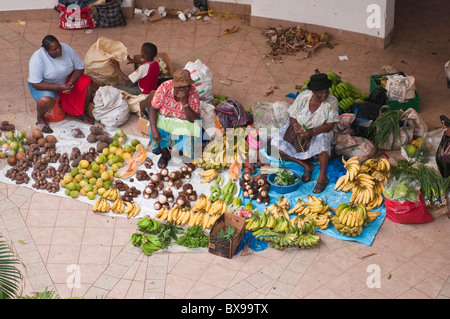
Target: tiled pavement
pixel 65 246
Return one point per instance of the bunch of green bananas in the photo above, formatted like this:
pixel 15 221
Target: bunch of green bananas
pixel 284 241
pixel 292 236
pixel 136 239
pixel 308 241
pixel 265 234
pixel 226 193
pixel 345 92
pixel 148 224
pixel 150 244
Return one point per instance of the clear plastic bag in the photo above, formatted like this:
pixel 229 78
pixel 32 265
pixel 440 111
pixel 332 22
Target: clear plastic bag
pixel 402 189
pixel 270 114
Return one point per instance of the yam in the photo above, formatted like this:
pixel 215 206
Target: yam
pixel 96 130
pixel 104 138
pixel 101 146
pixel 77 160
pixel 92 138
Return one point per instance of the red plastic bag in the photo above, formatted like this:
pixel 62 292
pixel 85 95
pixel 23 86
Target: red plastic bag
pixel 56 114
pixel 75 18
pixel 407 212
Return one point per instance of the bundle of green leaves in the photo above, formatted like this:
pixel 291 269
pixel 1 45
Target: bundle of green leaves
pixel 193 237
pixel 285 177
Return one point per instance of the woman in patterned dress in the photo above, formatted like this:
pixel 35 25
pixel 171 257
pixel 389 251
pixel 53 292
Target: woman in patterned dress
pixel 312 118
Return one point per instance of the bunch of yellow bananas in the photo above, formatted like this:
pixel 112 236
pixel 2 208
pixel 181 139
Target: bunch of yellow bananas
pixel 279 209
pixel 111 194
pixel 350 219
pixel 316 209
pixel 101 205
pixel 203 212
pixel 222 151
pixel 132 209
pixel 366 181
pixel 209 175
pixel 119 206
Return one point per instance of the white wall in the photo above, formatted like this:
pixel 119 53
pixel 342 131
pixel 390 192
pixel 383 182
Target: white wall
pixel 8 5
pixel 349 15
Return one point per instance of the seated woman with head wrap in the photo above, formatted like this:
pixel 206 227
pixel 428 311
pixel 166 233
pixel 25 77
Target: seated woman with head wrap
pixel 309 131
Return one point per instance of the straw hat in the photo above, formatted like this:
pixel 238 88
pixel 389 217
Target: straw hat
pixel 182 77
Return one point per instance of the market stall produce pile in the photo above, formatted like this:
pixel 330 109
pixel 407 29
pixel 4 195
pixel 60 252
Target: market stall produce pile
pixel 179 205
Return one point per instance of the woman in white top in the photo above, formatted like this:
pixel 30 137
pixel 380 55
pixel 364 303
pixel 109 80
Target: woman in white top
pixel 56 70
pixel 309 131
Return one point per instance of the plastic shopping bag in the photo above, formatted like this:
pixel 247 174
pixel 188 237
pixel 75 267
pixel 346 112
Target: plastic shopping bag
pixel 110 108
pixel 96 60
pixel 404 202
pixel 73 18
pixel 407 212
pixel 202 77
pixel 400 87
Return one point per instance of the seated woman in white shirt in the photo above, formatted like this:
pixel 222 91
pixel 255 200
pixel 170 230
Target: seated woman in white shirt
pixel 309 131
pixel 56 69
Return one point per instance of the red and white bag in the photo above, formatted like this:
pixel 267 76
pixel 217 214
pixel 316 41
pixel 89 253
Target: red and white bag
pixel 73 17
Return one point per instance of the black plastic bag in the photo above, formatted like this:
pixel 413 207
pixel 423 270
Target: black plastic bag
pixel 443 151
pixel 378 96
pixel 201 5
pixel 365 112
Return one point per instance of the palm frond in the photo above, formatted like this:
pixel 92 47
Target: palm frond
pixel 10 275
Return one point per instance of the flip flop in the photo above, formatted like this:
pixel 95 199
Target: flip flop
pixel 163 161
pixel 86 119
pixel 306 177
pixel 45 128
pixel 320 187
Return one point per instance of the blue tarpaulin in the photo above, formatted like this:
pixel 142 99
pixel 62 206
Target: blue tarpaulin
pixel 333 198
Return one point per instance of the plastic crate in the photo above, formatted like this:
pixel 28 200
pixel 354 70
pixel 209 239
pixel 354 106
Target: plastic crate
pixel 413 103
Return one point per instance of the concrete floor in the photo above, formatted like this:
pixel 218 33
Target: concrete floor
pixel 61 232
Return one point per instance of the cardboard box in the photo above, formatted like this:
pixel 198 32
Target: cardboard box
pixel 221 246
pixel 142 122
pixel 142 125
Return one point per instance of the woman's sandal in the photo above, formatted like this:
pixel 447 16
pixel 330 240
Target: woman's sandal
pixel 163 161
pixel 320 187
pixel 86 119
pixel 45 128
pixel 306 177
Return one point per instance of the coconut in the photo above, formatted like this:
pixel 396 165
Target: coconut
pixel 51 139
pixel 41 142
pixel 12 160
pixel 37 133
pixel 21 156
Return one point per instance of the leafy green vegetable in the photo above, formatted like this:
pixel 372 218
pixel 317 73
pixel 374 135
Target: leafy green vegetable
pixel 285 177
pixel 167 232
pixel 227 233
pixel 380 129
pixel 193 237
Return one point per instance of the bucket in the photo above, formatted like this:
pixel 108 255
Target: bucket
pixel 56 114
